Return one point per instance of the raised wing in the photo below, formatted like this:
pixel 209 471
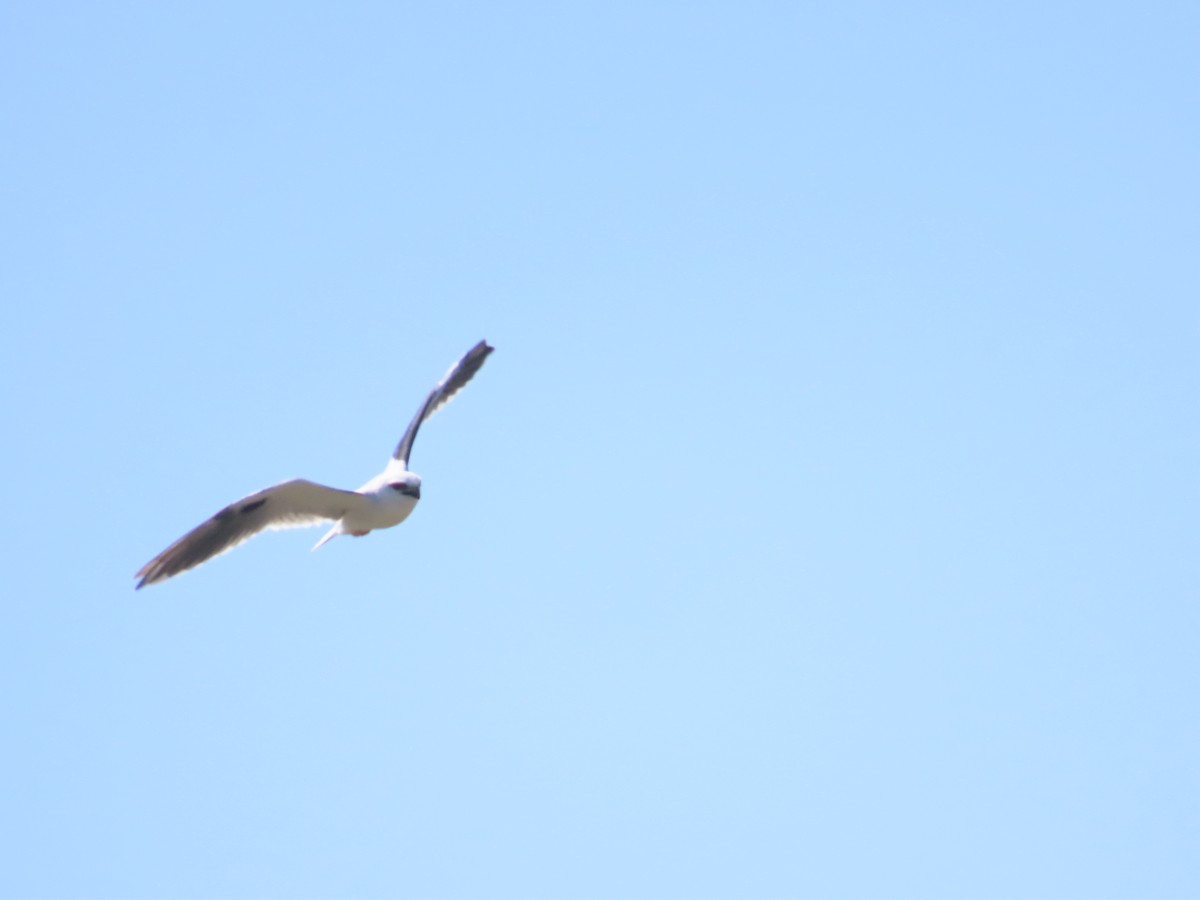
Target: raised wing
pixel 460 373
pixel 293 504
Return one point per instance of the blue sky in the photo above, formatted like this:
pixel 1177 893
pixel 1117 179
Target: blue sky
pixel 824 524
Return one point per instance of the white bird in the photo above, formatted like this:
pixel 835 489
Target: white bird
pixel 384 501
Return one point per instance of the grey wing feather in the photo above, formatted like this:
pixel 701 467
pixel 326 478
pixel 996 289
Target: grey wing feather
pixel 460 373
pixel 293 504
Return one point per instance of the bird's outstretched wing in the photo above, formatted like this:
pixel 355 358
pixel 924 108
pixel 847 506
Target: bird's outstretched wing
pixel 293 504
pixel 452 382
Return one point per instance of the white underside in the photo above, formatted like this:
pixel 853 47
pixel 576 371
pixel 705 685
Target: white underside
pixel 385 508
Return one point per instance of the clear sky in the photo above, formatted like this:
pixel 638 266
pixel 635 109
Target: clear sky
pixel 825 523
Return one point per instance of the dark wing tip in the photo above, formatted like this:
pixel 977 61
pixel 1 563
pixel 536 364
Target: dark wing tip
pixel 143 575
pixel 464 370
pixel 471 363
pixel 144 578
pixel 225 529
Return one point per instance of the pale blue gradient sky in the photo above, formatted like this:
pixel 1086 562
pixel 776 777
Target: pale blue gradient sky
pixel 824 525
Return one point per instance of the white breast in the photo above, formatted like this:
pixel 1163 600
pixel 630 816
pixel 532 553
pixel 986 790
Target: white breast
pixel 387 508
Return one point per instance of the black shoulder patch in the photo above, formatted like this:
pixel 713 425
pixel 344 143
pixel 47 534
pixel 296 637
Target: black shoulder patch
pixel 251 507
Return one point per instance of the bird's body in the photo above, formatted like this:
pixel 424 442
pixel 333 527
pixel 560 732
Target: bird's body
pixel 384 501
pixel 388 499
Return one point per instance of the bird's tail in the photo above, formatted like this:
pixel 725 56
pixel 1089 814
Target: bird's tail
pixel 329 536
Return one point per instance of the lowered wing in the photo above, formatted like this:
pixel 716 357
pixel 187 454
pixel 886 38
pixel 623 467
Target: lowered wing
pixel 293 504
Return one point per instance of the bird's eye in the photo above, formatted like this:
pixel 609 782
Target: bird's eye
pixel 397 486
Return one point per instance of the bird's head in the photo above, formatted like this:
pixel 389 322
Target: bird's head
pixel 407 484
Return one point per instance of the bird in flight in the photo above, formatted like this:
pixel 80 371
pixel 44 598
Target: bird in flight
pixel 384 501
